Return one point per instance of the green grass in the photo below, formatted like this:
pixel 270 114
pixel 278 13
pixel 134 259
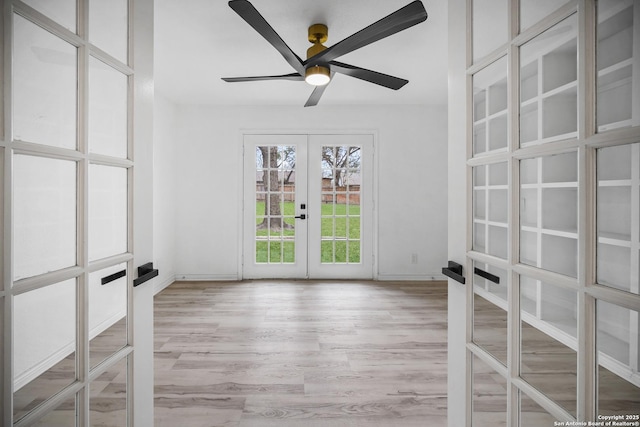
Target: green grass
pixel 333 223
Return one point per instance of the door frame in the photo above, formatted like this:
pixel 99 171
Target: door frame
pixel 309 131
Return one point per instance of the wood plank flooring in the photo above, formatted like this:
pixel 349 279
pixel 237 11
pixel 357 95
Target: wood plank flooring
pixel 301 353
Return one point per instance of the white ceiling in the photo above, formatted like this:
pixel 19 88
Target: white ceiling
pixel 199 41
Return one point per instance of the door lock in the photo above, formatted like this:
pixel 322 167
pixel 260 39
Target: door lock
pixel 303 216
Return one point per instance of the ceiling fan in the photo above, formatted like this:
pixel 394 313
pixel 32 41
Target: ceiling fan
pixel 320 65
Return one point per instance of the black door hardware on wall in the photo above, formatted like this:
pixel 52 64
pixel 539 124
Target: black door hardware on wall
pixel 303 216
pixel 145 272
pixel 454 270
pixel 486 275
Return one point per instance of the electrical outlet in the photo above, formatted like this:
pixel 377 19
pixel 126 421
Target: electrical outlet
pixel 414 258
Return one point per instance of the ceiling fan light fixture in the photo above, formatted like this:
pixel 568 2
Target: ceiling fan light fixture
pixel 317 75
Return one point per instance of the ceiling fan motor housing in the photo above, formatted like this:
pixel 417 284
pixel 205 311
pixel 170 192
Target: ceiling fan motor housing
pixel 318 34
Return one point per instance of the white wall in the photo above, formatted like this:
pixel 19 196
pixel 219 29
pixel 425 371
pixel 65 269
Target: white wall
pixel 166 145
pixel 412 179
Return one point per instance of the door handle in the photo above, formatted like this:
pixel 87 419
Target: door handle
pixel 303 216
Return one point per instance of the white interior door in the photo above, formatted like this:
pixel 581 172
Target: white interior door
pixel 308 209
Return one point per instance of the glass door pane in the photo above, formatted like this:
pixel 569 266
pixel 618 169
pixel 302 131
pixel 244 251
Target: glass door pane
pixel 489 396
pixel 548 340
pixel 617 64
pixel 107 211
pixel 61 11
pixel 490 208
pixel 44 86
pixel 490 108
pixel 549 213
pixel 490 310
pixel 618 204
pixel 490 24
pixel 275 207
pixel 618 344
pixel 108 397
pixel 548 85
pixel 532 11
pixel 340 206
pixel 107 110
pixel 107 312
pixel 108 20
pixel 44 351
pixel 341 178
pixel 275 204
pixel 44 215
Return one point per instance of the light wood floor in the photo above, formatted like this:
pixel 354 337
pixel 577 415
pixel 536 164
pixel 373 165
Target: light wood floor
pixel 305 353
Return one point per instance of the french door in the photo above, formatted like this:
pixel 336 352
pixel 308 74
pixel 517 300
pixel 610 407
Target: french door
pixel 308 210
pixel 553 180
pixel 67 185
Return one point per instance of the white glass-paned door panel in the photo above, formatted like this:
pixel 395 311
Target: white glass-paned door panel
pixel 108 26
pixel 490 108
pixel 107 211
pixel 107 110
pixel 490 26
pixel 532 414
pixel 341 180
pixel 44 86
pixel 44 197
pixel 490 325
pixel 549 213
pixel 61 11
pixel 617 66
pixel 489 402
pixel 548 358
pixel 490 209
pixel 618 222
pixel 275 201
pixel 618 344
pixel 275 204
pixel 108 397
pixel 489 310
pixel 340 206
pixel 532 11
pixel 548 85
pixel 107 312
pixel 63 416
pixel 44 347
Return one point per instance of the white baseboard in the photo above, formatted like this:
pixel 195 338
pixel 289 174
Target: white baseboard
pixel 411 277
pixel 207 277
pixel 166 281
pixel 56 357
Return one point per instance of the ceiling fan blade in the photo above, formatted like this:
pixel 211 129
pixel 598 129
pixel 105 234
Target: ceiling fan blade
pixel 408 16
pixel 375 77
pixel 294 77
pixel 315 96
pixel 253 18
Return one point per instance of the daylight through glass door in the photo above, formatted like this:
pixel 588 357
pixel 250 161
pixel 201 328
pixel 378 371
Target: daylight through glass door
pixel 340 211
pixel 275 204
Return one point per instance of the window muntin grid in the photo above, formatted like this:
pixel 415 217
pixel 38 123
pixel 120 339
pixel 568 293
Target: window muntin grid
pixel 340 200
pixel 275 204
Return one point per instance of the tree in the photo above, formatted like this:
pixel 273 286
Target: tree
pixel 272 158
pixel 336 161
